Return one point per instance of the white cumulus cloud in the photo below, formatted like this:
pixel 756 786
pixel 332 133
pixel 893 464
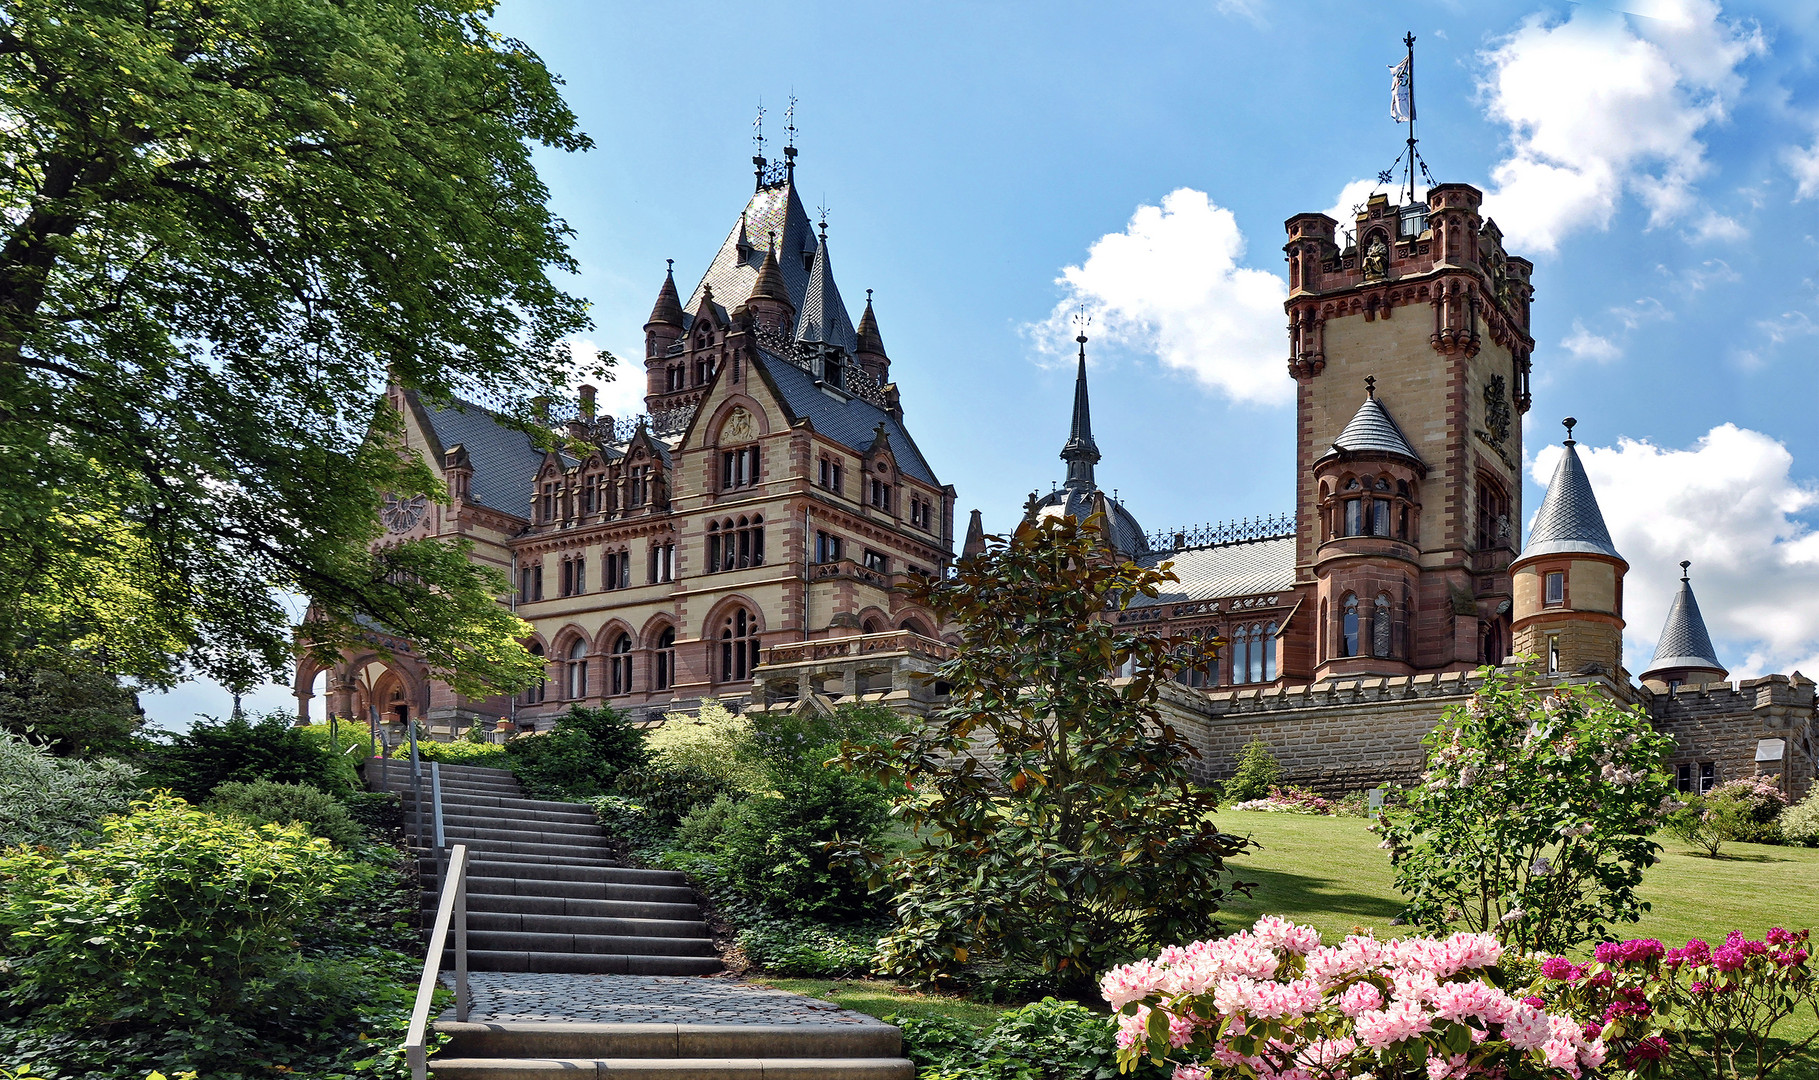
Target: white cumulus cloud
pixel 1585 345
pixel 1600 106
pixel 1730 503
pixel 1172 284
pixel 623 394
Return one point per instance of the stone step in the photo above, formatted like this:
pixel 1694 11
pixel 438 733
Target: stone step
pixel 569 905
pixel 570 1039
pixel 591 963
pixel 479 803
pixel 483 866
pixel 402 785
pixel 542 832
pixel 673 1068
pixel 493 817
pixel 581 847
pixel 595 944
pixel 478 854
pixel 580 890
pixel 531 922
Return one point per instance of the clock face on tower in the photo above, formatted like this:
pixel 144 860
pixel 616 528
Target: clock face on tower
pixel 402 515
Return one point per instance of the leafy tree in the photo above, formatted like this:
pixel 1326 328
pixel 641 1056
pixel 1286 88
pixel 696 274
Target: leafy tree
pixel 588 749
pixel 76 713
pixel 226 225
pixel 243 749
pixel 1057 827
pixel 1533 819
pixel 1258 772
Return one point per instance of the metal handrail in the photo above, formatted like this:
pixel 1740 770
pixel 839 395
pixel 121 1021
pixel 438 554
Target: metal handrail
pixel 451 907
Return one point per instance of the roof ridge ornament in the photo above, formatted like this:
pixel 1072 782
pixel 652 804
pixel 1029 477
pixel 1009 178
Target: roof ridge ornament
pixel 1569 423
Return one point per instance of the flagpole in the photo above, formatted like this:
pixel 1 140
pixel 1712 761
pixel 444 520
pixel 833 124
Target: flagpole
pixel 1409 40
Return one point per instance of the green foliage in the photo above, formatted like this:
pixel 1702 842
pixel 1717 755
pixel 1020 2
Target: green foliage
pixel 212 752
pixel 349 737
pixel 672 792
pixel 1044 1040
pixel 460 752
pixel 1800 822
pixel 265 802
pixel 51 801
pixel 1533 819
pixel 580 759
pixel 701 828
pixel 1080 837
pixel 1709 825
pixel 781 851
pixel 1258 772
pixel 289 202
pixel 714 741
pixel 805 741
pixel 808 949
pixel 79 713
pixel 1758 802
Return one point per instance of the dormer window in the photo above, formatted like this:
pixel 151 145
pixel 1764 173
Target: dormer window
pixel 546 502
pixel 638 485
pixel 832 371
pixel 879 489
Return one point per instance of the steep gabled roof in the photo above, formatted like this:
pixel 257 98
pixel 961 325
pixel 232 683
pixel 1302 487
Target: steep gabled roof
pixel 822 314
pixel 504 460
pixel 1684 641
pixel 734 270
pixel 1245 568
pixel 848 420
pixel 1569 521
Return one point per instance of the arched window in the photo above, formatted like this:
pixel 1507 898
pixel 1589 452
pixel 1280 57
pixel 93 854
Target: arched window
pixel 1269 653
pixel 1353 523
pixel 664 661
pixel 1493 514
pixel 1382 520
pixel 1348 626
pixel 915 626
pixel 735 544
pixel 534 695
pixel 577 671
pixel 1240 655
pixel 621 669
pixel 1381 626
pixel 1257 649
pixel 738 646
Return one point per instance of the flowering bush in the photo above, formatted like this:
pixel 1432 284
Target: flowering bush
pixel 1800 822
pixel 1691 1011
pixel 1534 817
pixel 1758 801
pixel 1288 800
pixel 1275 1004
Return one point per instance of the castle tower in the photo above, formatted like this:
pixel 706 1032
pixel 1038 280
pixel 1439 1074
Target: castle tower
pixel 1367 571
pixel 870 354
pixel 1684 653
pixel 662 330
pixel 1569 580
pixel 1424 298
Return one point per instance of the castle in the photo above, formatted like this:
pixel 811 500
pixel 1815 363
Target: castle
pixel 750 539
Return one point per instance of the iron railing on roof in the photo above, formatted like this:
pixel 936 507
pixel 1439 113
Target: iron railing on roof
pixel 854 380
pixel 1269 527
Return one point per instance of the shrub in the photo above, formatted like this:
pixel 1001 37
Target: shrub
pixel 1258 772
pixel 212 752
pixel 805 741
pixel 700 830
pixel 1277 1000
pixel 77 713
pixel 1289 800
pixel 348 737
pixel 1534 817
pixel 265 802
pixel 462 752
pixel 671 792
pixel 580 759
pixel 1800 822
pixel 630 820
pixel 51 801
pixel 1710 825
pixel 795 948
pixel 1044 1040
pixel 1759 803
pixel 777 850
pixel 716 742
pixel 1079 835
pixel 1693 1011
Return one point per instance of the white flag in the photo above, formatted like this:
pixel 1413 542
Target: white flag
pixel 1402 92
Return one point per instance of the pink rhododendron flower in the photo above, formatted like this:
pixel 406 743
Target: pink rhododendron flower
pixel 1360 997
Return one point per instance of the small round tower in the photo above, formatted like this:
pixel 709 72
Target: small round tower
pixel 1568 581
pixel 1684 652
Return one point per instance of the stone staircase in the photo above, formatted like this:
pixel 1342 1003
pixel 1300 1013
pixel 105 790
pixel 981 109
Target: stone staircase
pixel 544 893
pixel 543 1051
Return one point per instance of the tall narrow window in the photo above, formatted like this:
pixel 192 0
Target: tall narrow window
pixel 534 695
pixel 1240 655
pixel 738 646
pixel 739 468
pixel 1348 627
pixel 638 486
pixel 1708 776
pixel 827 547
pixel 1257 647
pixel 1381 625
pixel 1381 521
pixel 1354 518
pixel 580 573
pixel 1556 589
pixel 577 671
pixel 537 581
pixel 1553 654
pixel 664 660
pixel 568 577
pixel 621 669
pixel 1269 653
pixel 662 562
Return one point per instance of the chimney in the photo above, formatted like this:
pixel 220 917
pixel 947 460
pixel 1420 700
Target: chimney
pixel 588 394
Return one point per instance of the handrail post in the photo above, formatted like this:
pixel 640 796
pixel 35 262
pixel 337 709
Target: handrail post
pixel 451 908
pixel 461 995
pixel 410 731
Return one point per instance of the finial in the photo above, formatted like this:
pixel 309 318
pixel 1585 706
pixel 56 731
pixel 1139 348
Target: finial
pixel 1370 386
pixel 758 161
pixel 1031 504
pixel 1569 422
pixel 770 238
pixel 868 298
pixel 789 147
pixel 1081 321
pixel 1684 563
pixel 671 264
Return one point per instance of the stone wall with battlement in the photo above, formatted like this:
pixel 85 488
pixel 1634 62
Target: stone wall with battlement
pixel 1722 724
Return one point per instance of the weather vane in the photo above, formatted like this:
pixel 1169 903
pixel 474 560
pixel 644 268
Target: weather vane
pixel 1081 321
pixel 758 129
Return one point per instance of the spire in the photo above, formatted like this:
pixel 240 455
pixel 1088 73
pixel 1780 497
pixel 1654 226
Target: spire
pixel 824 318
pixel 745 241
pixel 975 538
pixel 668 309
pixel 1081 453
pixel 1569 521
pixel 1373 430
pixel 770 285
pixel 1685 647
pixel 869 341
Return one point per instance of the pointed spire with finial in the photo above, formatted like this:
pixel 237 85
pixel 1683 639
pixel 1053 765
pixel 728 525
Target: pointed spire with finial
pixel 1684 652
pixel 975 536
pixel 770 284
pixel 824 319
pixel 869 345
pixel 1372 430
pixel 1081 453
pixel 1569 521
pixel 668 309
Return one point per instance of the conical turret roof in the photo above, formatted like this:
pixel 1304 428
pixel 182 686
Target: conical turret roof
pixel 823 318
pixel 1373 430
pixel 769 284
pixel 1569 522
pixel 868 338
pixel 1684 644
pixel 668 309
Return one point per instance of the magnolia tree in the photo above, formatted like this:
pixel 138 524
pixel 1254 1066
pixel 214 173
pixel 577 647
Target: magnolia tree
pixel 1533 819
pixel 1272 1003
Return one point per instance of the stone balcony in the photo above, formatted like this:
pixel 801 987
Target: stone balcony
pixel 897 668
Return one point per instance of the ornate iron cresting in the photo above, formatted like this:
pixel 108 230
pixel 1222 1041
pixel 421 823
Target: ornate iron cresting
pixel 853 379
pixel 1270 527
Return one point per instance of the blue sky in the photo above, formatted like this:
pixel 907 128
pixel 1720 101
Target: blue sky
pixel 987 167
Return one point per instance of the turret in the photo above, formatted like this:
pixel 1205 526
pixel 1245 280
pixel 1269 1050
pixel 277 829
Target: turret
pixel 870 354
pixel 769 302
pixel 1568 581
pixel 1684 654
pixel 662 330
pixel 975 537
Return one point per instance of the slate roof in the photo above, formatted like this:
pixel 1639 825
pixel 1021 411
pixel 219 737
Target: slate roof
pixel 504 460
pixel 852 423
pixel 1373 431
pixel 771 210
pixel 1076 501
pixel 1245 568
pixel 1684 642
pixel 822 314
pixel 1569 521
